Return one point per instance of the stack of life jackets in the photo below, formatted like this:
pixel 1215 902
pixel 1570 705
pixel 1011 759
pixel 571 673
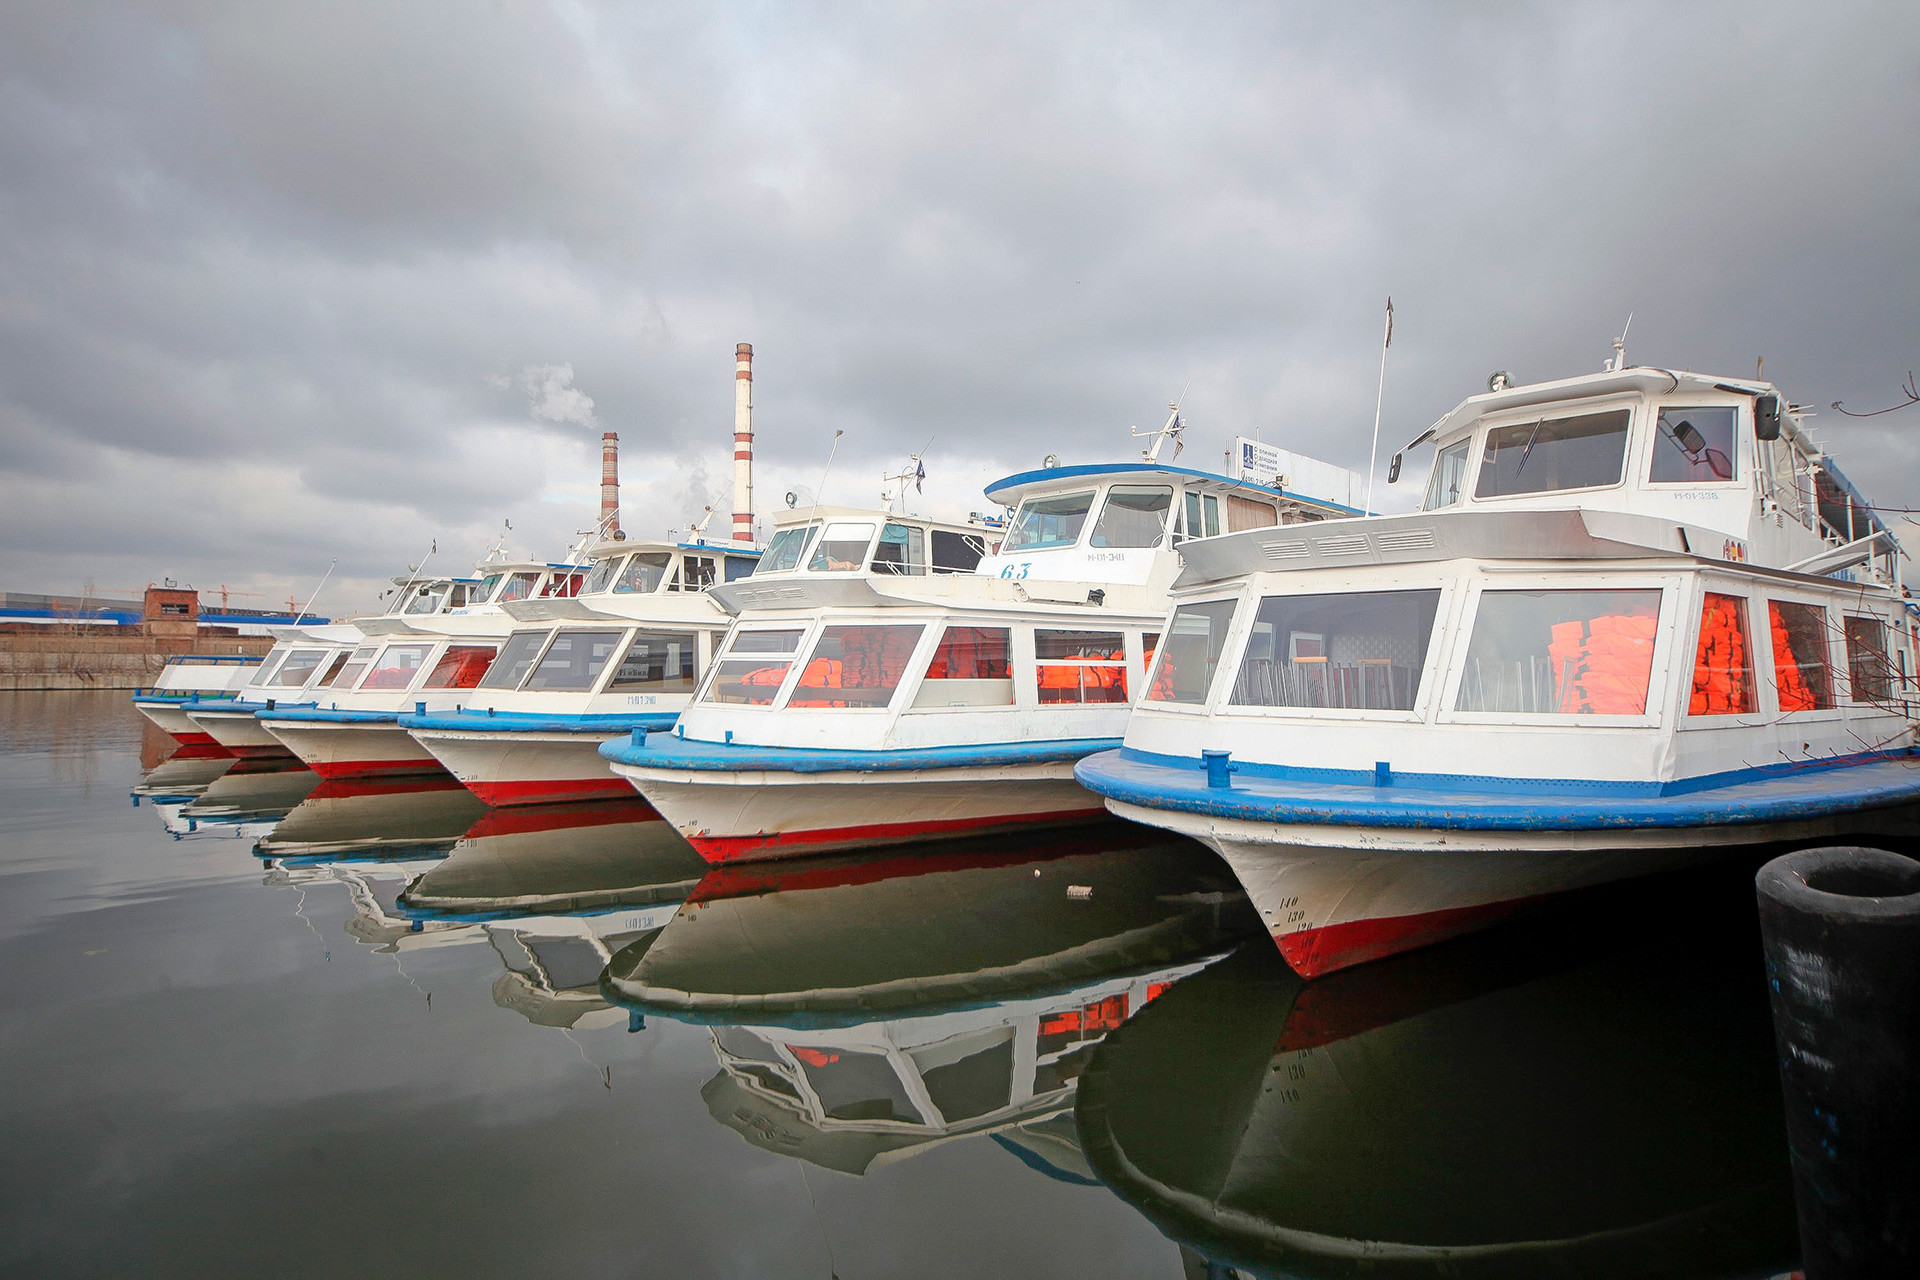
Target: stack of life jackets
pixel 1795 694
pixel 1720 685
pixel 1601 666
pixel 1077 679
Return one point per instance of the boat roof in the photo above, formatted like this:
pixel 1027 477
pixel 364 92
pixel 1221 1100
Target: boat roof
pixel 620 546
pixel 1012 488
pixel 802 515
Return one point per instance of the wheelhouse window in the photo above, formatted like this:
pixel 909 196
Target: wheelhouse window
pixel 298 668
pixel 902 549
pixel 1250 513
pixel 1202 515
pixel 339 660
pixel 753 668
pixel 1802 662
pixel 1449 480
pixel 739 567
pixel 397 666
pixel 1870 673
pixel 971 667
pixel 516 659
pixel 602 574
pixel 855 1085
pixel 957 552
pixel 1080 666
pixel 1693 445
pixel 1132 516
pixel 1045 523
pixel 1184 665
pixel 518 587
pixel 425 599
pixel 269 668
pixel 657 661
pixel 574 661
pixel 856 666
pixel 1562 652
pixel 1363 650
pixel 562 586
pixel 788 545
pixel 695 574
pixel 1554 454
pixel 357 664
pixel 644 572
pixel 842 547
pixel 460 667
pixel 1722 660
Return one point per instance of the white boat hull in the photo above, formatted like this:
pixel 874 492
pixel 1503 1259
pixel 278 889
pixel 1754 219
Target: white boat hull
pixel 525 768
pixel 352 750
pixel 239 732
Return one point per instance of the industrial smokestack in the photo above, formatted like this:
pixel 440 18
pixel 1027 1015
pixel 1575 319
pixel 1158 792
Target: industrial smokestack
pixel 609 485
pixel 743 443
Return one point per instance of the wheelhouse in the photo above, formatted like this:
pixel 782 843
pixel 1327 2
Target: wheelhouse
pixel 845 540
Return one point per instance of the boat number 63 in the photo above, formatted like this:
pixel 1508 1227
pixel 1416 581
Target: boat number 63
pixel 1007 570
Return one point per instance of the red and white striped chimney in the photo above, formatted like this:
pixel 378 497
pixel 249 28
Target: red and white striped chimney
pixel 609 485
pixel 743 443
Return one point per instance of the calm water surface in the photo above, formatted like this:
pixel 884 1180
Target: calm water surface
pixel 259 1025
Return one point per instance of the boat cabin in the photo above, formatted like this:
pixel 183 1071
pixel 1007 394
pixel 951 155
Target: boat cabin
pixel 847 540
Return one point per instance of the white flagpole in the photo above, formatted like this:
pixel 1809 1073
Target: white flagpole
pixel 1373 456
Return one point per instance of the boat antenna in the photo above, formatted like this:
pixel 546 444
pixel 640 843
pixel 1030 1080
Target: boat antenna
pixel 1619 360
pixel 824 472
pixel 916 473
pixel 1173 430
pixel 696 532
pixel 413 570
pixel 316 591
pixel 1379 399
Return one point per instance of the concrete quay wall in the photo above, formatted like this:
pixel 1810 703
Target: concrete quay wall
pixel 62 657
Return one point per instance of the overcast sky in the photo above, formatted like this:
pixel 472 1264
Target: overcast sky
pixel 286 283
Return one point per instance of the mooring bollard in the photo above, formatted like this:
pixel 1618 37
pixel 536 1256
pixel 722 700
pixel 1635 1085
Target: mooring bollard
pixel 1841 928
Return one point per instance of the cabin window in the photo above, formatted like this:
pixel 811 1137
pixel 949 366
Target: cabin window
pixel 1870 671
pixel 644 573
pixel 1562 652
pixel 856 666
pixel 695 574
pixel 855 1086
pixel 754 667
pixel 1132 516
pixel 842 546
pixel 1191 654
pixel 739 567
pixel 967 1076
pixel 1723 660
pixel 601 576
pixel 342 677
pixel 956 552
pixel 1802 665
pixel 1080 666
pixel 971 667
pixel 902 549
pixel 518 587
pixel 784 552
pixel 424 600
pixel 1043 523
pixel 1249 513
pixel 299 667
pixel 516 659
pixel 1353 651
pixel 1692 445
pixel 460 667
pixel 339 660
pixel 1553 454
pixel 270 667
pixel 658 661
pixel 1203 515
pixel 574 661
pixel 397 666
pixel 1449 480
pixel 562 586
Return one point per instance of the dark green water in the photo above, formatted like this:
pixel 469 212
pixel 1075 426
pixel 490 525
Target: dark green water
pixel 256 1026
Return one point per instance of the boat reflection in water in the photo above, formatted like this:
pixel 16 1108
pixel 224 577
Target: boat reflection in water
pixel 556 890
pixel 1593 1094
pixel 866 1007
pixel 347 815
pixel 245 799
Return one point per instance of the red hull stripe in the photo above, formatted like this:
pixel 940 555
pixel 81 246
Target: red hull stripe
pixel 342 788
pixel 372 768
pixel 1313 952
pixel 562 817
pixel 208 750
pixel 195 739
pixel 250 752
pixel 551 790
pixel 724 849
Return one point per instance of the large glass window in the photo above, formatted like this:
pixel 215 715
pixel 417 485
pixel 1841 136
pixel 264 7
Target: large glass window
pixel 856 666
pixel 1553 454
pixel 957 552
pixel 1562 652
pixel 1080 666
pixel 562 585
pixel 971 667
pixel 843 546
pixel 339 660
pixel 1723 659
pixel 738 567
pixel 1692 445
pixel 1048 522
pixel 574 660
pixel 855 1086
pixel 1184 665
pixel 397 666
pixel 298 668
pixel 787 547
pixel 460 667
pixel 657 661
pixel 518 587
pixel 1355 651
pixel 601 575
pixel 1802 660
pixel 902 549
pixel 643 573
pixel 696 573
pixel 1869 670
pixel 270 666
pixel 1132 516
pixel 753 667
pixel 1449 481
pixel 357 664
pixel 516 659
pixel 425 599
pixel 1203 515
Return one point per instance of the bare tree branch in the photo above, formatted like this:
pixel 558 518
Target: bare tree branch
pixel 1909 390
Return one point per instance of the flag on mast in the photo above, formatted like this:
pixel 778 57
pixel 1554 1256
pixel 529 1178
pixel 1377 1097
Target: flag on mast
pixel 1388 340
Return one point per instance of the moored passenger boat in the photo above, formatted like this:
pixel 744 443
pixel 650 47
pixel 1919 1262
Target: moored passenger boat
pixel 188 678
pixel 1639 615
pixel 301 660
pixel 894 701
